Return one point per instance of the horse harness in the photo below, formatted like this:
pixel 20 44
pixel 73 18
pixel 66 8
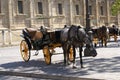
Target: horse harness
pixel 76 36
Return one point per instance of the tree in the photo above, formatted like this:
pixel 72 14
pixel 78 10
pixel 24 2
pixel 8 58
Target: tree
pixel 116 7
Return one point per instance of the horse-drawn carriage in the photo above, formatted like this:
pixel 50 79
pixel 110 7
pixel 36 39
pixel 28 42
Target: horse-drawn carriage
pixel 40 39
pixel 68 38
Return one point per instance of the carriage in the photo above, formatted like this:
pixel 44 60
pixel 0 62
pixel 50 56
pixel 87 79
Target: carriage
pixel 68 38
pixel 40 39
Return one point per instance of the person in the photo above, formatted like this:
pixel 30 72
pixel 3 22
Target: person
pixel 43 30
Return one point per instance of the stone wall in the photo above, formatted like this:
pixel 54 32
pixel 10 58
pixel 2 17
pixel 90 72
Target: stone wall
pixel 11 19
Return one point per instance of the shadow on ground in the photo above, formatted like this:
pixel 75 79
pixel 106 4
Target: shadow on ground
pixel 100 65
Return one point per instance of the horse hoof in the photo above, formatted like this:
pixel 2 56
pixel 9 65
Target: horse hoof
pixel 69 63
pixel 82 67
pixel 74 67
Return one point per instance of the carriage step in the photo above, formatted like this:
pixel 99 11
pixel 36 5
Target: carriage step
pixel 36 53
pixel 56 53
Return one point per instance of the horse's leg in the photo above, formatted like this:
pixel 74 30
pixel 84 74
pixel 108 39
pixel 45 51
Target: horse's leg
pixel 64 53
pixel 105 42
pixel 68 52
pixel 99 42
pixel 80 54
pixel 74 56
pixel 102 42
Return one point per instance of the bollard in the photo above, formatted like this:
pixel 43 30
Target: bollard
pixel 3 37
pixel 10 36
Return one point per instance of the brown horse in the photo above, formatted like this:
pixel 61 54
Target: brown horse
pixel 100 34
pixel 75 36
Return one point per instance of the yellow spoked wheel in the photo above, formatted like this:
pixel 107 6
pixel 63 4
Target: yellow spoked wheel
pixel 47 55
pixel 71 54
pixel 25 52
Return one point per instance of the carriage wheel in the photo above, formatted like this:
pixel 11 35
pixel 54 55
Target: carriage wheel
pixel 25 52
pixel 47 55
pixel 71 54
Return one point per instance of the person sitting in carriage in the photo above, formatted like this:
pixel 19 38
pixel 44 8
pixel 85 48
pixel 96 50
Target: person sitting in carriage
pixel 44 40
pixel 43 30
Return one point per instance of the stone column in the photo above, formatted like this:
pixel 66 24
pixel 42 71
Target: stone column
pixel 67 12
pixel 10 19
pixel 31 12
pixel 10 13
pixel 108 12
pixel 84 13
pixel 71 12
pixel 49 13
pixel 97 14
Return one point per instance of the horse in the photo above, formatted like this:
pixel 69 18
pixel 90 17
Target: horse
pixel 113 31
pixel 100 34
pixel 74 37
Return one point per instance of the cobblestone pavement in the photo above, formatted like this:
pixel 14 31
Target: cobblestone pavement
pixel 106 65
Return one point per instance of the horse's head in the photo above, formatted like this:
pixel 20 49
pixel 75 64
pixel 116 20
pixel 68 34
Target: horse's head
pixel 89 50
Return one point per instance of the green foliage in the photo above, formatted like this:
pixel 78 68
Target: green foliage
pixel 115 7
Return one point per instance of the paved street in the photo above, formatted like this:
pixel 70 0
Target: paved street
pixel 105 66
